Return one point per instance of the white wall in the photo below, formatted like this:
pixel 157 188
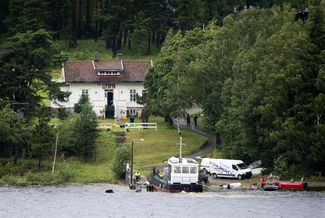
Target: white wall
pixel 96 94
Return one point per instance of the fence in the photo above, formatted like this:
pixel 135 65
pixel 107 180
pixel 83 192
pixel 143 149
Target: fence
pixel 141 126
pixel 128 126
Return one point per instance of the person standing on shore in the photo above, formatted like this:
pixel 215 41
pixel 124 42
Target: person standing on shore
pixel 188 120
pixel 195 120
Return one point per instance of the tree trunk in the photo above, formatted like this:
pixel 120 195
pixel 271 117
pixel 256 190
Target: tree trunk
pixel 119 38
pixel 125 35
pixel 39 161
pixel 88 19
pixel 73 40
pixel 129 44
pixel 149 42
pixel 97 21
pixel 15 153
pixel 78 18
pixel 114 47
pixel 153 37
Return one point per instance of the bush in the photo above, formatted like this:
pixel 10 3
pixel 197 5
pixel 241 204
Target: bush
pixel 67 173
pixel 9 179
pixel 282 169
pixel 121 158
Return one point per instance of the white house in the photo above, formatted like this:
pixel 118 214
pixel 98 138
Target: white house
pixel 111 85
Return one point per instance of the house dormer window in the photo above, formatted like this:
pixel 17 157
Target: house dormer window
pixel 108 73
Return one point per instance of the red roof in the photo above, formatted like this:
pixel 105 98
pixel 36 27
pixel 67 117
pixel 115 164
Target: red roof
pixel 86 71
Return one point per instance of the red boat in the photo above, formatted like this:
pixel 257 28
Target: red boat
pixel 285 185
pixel 292 185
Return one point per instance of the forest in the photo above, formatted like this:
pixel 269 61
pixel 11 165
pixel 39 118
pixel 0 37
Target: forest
pixel 255 67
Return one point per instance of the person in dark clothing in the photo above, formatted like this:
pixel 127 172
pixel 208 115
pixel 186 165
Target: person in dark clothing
pixel 188 120
pixel 131 118
pixel 195 120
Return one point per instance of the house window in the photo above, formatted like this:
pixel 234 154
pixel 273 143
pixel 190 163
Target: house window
pixel 85 91
pixel 132 112
pixel 133 94
pixel 108 72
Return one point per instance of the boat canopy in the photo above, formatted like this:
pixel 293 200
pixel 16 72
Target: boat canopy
pixel 182 161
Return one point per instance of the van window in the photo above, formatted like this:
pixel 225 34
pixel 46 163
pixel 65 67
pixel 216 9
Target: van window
pixel 234 167
pixel 242 166
pixel 185 170
pixel 193 170
pixel 177 169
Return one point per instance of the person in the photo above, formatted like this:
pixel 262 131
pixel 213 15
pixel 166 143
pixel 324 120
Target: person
pixel 262 181
pixel 161 174
pixel 195 120
pixel 188 120
pixel 131 118
pixel 137 176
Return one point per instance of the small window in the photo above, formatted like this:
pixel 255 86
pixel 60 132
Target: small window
pixel 133 94
pixel 177 169
pixel 132 112
pixel 193 170
pixel 185 169
pixel 85 91
pixel 234 167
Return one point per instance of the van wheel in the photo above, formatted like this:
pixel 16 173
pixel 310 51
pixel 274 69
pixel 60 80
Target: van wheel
pixel 240 177
pixel 215 176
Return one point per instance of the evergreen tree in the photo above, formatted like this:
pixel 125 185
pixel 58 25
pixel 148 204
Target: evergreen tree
pixel 24 65
pixel 85 131
pixel 43 135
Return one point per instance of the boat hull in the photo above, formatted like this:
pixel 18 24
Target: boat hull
pixel 176 188
pixel 292 185
pixel 161 185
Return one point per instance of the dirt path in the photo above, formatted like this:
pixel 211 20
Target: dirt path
pixel 207 147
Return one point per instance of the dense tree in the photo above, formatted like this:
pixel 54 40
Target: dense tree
pixel 24 63
pixel 259 79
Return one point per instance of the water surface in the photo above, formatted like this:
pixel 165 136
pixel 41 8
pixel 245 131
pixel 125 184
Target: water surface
pixel 92 201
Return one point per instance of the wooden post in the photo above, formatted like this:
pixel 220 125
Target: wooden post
pixel 55 151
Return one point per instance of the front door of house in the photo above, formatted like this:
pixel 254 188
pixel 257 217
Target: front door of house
pixel 110 109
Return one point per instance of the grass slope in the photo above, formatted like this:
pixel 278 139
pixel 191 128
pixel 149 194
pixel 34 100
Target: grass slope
pixel 152 147
pixel 155 147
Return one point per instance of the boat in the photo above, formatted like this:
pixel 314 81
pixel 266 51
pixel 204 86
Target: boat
pixel 271 187
pixel 181 175
pixel 288 185
pixel 292 185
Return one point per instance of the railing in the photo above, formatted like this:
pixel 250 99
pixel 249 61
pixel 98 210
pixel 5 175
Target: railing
pixel 105 126
pixel 141 126
pixel 128 126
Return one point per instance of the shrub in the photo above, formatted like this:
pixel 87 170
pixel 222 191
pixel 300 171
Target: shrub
pixel 121 157
pixel 67 173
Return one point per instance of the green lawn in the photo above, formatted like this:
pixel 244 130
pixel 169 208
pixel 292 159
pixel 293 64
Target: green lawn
pixel 86 50
pixel 152 147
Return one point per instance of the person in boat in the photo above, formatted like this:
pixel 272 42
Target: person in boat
pixel 262 181
pixel 137 176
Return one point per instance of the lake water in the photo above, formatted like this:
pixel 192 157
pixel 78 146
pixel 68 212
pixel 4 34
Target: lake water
pixel 92 201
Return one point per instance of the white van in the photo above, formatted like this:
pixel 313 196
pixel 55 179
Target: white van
pixel 226 168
